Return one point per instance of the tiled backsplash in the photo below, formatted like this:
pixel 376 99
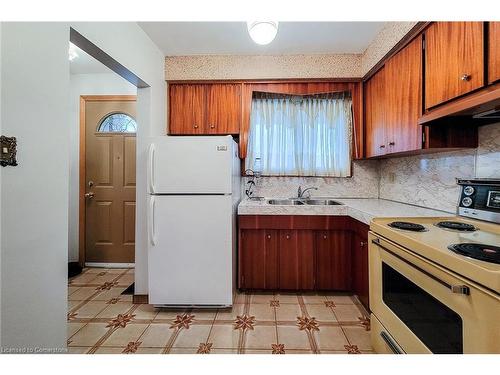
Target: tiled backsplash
pixel 424 180
pixel 429 180
pixel 363 184
pixel 488 152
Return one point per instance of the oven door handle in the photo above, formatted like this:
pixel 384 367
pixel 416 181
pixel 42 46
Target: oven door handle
pixel 457 289
pixel 391 343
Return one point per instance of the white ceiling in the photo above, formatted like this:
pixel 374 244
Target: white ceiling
pixel 231 38
pixel 86 64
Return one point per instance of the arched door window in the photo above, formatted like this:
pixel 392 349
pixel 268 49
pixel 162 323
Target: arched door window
pixel 117 123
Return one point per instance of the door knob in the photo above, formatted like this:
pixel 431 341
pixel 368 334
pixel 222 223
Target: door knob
pixel 89 195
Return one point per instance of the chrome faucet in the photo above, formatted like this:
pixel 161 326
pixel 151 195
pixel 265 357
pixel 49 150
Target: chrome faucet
pixel 300 192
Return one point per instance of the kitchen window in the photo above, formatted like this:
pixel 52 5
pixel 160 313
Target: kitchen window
pixel 301 135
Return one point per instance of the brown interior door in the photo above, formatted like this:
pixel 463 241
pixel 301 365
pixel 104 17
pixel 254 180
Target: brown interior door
pixel 454 60
pixel 110 185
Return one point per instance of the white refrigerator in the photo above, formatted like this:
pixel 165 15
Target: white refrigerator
pixel 194 191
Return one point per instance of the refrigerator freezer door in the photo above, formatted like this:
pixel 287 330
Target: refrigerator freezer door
pixel 190 250
pixel 191 165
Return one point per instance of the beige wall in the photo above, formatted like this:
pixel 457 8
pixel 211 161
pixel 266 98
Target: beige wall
pixel 262 67
pixel 387 38
pixel 286 66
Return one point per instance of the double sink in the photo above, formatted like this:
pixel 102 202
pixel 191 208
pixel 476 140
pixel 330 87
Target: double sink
pixel 303 201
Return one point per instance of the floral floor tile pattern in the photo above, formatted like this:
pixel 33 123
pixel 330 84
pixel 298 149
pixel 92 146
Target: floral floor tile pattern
pixel 102 320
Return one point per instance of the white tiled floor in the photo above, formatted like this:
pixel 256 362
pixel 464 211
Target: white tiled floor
pixel 102 320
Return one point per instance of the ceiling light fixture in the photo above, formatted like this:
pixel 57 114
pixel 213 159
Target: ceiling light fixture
pixel 262 32
pixel 72 54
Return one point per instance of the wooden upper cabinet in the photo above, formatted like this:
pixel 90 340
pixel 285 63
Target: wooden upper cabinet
pixel 187 109
pixel 454 60
pixel 224 108
pixel 207 108
pixel 403 99
pixel 374 95
pixel 493 52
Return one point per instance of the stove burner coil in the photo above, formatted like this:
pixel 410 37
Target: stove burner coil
pixel 487 253
pixel 407 226
pixel 455 225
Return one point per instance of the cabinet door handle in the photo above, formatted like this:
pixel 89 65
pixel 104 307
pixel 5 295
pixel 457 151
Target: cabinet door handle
pixel 392 143
pixel 324 237
pixel 212 126
pixel 196 126
pixel 362 244
pixel 382 146
pixel 287 236
pixel 465 77
pixel 268 236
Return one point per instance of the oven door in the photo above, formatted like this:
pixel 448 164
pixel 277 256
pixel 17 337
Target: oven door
pixel 424 308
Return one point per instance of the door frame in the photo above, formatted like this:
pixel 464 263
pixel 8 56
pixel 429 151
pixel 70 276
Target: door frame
pixel 84 99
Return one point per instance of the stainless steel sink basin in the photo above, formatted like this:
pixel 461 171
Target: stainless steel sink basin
pixel 257 199
pixel 300 202
pixel 322 202
pixel 286 202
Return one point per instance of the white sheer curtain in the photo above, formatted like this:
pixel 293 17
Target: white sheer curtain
pixel 301 135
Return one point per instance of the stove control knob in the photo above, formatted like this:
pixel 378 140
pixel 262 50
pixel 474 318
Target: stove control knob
pixel 468 190
pixel 467 201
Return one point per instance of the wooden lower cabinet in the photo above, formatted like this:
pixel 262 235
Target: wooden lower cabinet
pixel 359 257
pixel 296 260
pixel 258 259
pixel 333 257
pixel 301 253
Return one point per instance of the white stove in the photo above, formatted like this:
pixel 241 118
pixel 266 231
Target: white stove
pixel 435 282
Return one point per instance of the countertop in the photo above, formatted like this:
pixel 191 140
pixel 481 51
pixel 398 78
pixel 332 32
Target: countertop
pixel 361 209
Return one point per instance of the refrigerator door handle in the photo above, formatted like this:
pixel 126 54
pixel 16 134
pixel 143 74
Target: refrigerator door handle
pixel 151 221
pixel 151 168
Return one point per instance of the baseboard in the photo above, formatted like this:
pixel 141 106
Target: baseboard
pixel 140 298
pixel 109 265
